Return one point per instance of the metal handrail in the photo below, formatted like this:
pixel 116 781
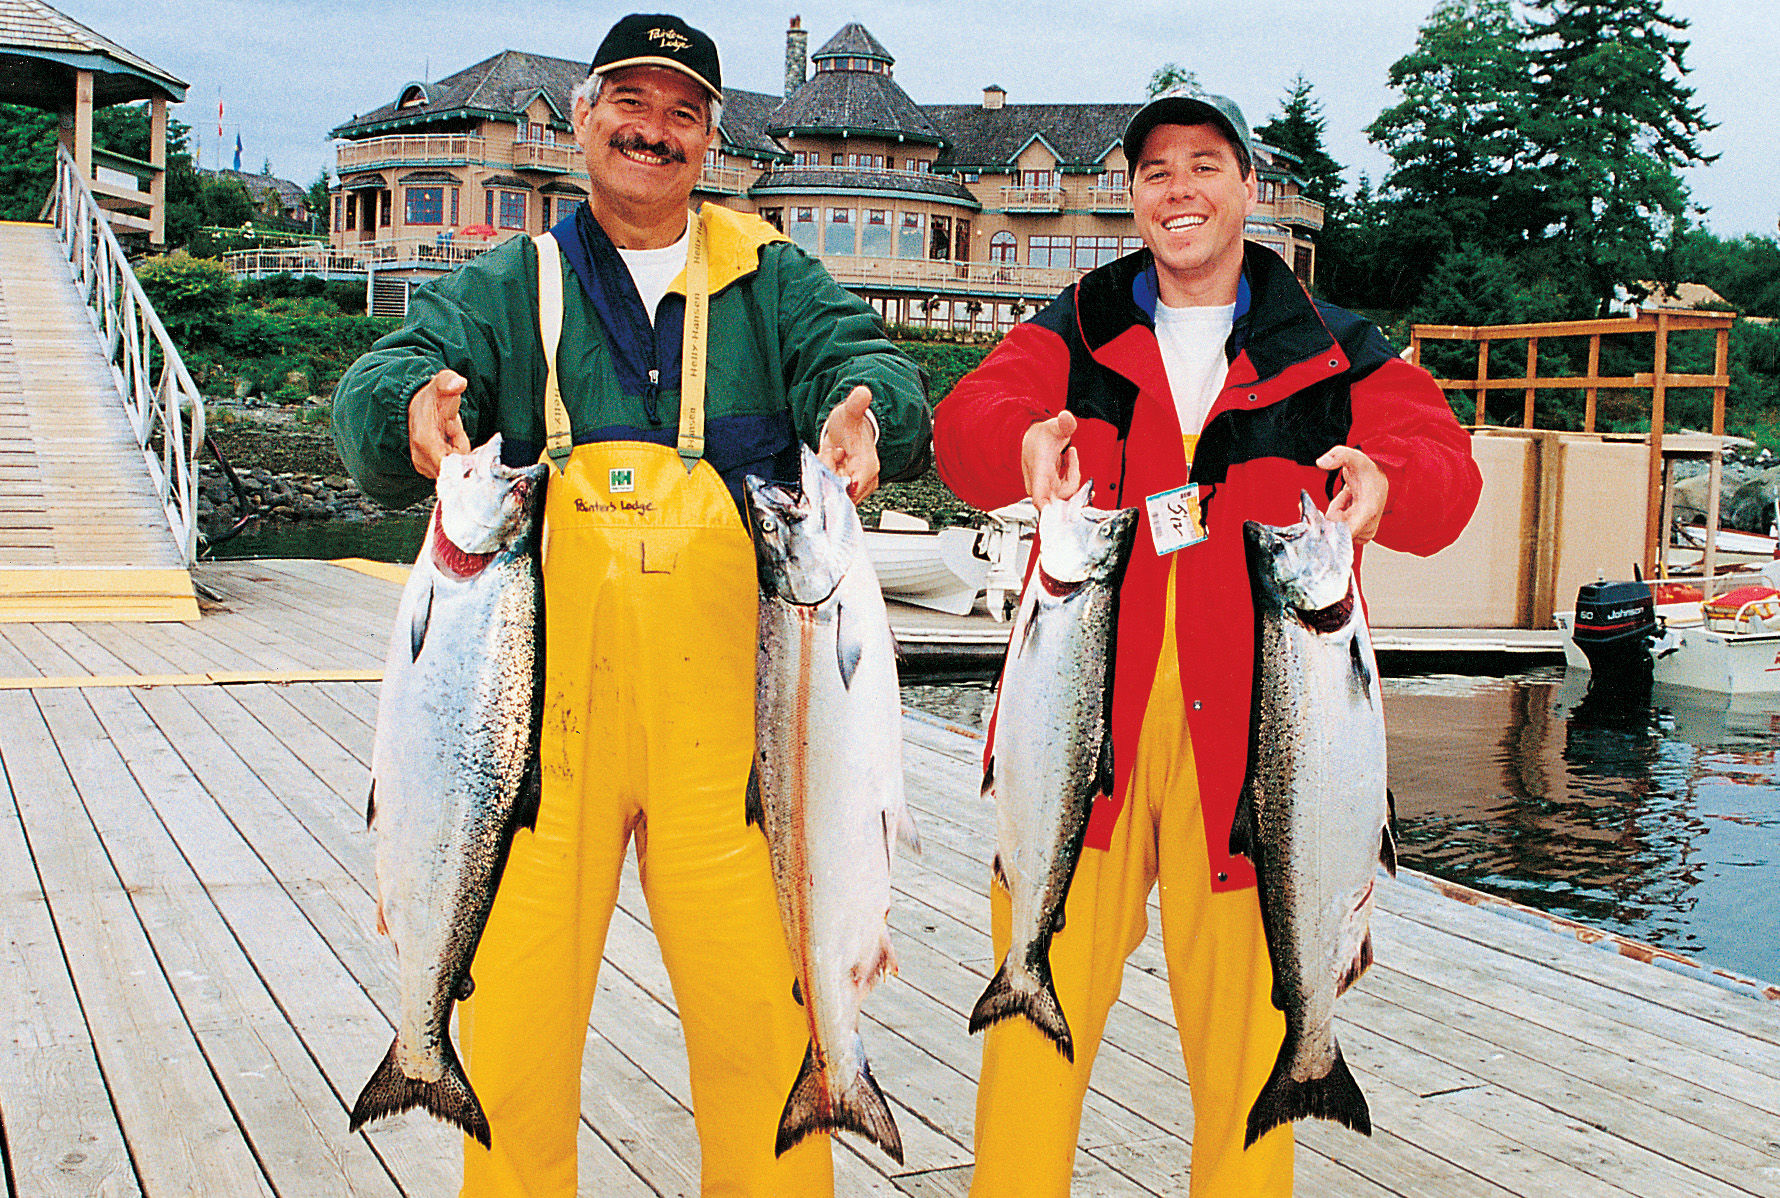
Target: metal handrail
pixel 131 334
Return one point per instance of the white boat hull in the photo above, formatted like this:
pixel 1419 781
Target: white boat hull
pixel 1729 663
pixel 939 570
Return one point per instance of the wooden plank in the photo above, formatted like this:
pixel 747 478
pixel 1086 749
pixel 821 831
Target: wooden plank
pixel 122 985
pixel 59 1135
pixel 144 803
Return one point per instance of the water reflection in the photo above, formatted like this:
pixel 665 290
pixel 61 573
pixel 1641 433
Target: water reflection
pixel 1654 815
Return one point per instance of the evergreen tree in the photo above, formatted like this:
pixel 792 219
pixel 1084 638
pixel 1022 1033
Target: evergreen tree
pixel 1298 130
pixel 1171 75
pixel 1615 126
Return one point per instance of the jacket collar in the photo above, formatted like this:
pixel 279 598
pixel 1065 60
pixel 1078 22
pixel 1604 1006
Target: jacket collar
pixel 1277 325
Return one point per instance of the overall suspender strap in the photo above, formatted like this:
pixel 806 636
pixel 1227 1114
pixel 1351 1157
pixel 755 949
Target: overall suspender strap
pixel 692 347
pixel 559 441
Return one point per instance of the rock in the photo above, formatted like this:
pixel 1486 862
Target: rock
pixel 1751 507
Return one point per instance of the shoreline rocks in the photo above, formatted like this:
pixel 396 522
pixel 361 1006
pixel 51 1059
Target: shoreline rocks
pixel 285 498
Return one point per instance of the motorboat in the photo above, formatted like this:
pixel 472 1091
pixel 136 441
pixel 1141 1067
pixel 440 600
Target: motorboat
pixel 938 569
pixel 1677 636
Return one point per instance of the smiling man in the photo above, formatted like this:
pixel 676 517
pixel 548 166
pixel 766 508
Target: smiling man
pixel 649 583
pixel 1196 379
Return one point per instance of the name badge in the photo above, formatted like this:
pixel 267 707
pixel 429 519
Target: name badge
pixel 1175 519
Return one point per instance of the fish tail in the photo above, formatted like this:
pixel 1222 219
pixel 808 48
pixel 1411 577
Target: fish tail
pixel 1027 991
pixel 861 1108
pixel 390 1091
pixel 1336 1095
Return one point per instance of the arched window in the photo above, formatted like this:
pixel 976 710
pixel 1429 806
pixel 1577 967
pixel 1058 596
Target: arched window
pixel 1004 247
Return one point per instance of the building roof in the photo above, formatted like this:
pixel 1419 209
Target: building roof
pixel 795 180
pixel 853 40
pixel 981 138
pixel 289 194
pixel 38 45
pixel 501 86
pixel 859 103
pixel 745 117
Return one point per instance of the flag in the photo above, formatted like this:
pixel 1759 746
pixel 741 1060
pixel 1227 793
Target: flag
pixel 219 114
pixel 237 149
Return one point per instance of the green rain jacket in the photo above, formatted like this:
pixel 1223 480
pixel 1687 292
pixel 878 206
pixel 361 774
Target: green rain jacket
pixel 787 344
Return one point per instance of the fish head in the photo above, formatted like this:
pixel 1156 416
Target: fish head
pixel 1307 566
pixel 484 505
pixel 1078 543
pixel 805 536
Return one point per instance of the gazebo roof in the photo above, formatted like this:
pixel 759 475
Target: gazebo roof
pixel 40 49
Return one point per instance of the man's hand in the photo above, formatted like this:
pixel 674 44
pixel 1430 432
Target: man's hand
pixel 434 429
pixel 1364 488
pixel 1048 461
pixel 849 444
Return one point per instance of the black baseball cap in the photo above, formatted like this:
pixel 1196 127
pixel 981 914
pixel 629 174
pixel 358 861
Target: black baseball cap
pixel 1181 105
pixel 644 40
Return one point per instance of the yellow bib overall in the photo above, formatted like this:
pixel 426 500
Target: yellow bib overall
pixel 650 595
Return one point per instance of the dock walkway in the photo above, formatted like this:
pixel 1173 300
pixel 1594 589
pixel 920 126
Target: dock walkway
pixel 194 993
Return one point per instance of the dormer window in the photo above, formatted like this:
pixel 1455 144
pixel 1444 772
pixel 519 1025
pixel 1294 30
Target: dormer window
pixel 413 96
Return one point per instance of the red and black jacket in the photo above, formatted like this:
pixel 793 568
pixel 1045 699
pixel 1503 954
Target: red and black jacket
pixel 1304 377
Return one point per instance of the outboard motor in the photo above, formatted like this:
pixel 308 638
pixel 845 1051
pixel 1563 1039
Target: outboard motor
pixel 1616 624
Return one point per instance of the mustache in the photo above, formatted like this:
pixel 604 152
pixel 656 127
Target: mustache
pixel 636 143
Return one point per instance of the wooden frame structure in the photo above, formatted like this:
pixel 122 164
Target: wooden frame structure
pixel 1659 380
pixel 54 63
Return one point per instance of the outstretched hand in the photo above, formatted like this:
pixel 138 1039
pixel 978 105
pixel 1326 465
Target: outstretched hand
pixel 849 444
pixel 1364 489
pixel 434 428
pixel 1048 462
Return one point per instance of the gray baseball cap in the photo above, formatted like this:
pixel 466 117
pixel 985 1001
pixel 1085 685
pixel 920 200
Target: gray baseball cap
pixel 1181 105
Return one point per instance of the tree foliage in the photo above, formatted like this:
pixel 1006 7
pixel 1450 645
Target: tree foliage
pixel 1298 130
pixel 1171 75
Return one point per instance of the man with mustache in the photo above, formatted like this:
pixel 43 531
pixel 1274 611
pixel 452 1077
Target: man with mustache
pixel 1198 380
pixel 656 357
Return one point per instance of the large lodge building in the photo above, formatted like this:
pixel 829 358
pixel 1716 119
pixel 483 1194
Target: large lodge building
pixel 960 215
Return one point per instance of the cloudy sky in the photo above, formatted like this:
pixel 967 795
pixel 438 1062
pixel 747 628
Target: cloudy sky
pixel 290 70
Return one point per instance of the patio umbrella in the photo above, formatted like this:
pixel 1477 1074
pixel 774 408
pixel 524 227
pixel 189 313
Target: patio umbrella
pixel 478 230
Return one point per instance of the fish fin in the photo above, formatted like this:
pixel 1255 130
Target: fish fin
pixel 907 835
pixel 1103 770
pixel 1242 826
pixel 423 614
pixel 999 874
pixel 796 992
pixel 1058 921
pixel 1335 1095
pixel 1029 992
pixel 848 646
pixel 1026 634
pixel 382 924
pixel 390 1091
pixel 531 795
pixel 988 791
pixel 1387 841
pixel 465 988
pixel 1362 673
pixel 755 809
pixel 371 805
pixel 861 1108
pixel 1362 961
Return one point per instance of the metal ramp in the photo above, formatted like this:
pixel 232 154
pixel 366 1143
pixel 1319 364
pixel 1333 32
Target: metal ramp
pixel 85 528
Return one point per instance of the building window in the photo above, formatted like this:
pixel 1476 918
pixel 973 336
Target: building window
pixel 1113 180
pixel 804 231
pixel 337 218
pixel 1266 191
pixel 962 251
pixel 939 237
pixel 1004 247
pixel 351 212
pixel 875 240
pixel 537 132
pixel 488 197
pixel 512 210
pixel 920 166
pixel 841 237
pixel 544 212
pixel 424 206
pixel 972 177
pixel 1095 251
pixel 1130 245
pixel 385 206
pixel 713 157
pixel 889 163
pixel 1048 251
pixel 1036 180
pixel 454 205
pixel 837 160
pixel 909 240
pixel 774 217
pixel 866 161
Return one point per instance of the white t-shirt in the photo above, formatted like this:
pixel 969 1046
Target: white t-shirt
pixel 654 271
pixel 1192 343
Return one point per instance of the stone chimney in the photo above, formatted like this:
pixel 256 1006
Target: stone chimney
pixel 994 97
pixel 797 56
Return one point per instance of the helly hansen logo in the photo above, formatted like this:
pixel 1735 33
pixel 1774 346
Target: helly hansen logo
pixel 669 39
pixel 621 479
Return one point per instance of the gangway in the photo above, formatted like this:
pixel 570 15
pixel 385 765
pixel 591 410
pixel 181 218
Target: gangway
pixel 99 427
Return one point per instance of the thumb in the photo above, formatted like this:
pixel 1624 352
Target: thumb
pixel 1066 423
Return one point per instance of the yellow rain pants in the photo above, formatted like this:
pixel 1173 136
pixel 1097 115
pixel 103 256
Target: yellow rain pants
pixel 1029 1099
pixel 650 588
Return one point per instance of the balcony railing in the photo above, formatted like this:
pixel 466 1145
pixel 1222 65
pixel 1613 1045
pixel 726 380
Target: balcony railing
pixel 1032 199
pixel 544 156
pixel 436 149
pixel 1109 199
pixel 722 180
pixel 1293 210
pixel 941 276
pixel 358 255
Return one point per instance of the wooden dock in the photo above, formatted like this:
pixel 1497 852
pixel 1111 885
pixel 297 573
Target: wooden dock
pixel 193 993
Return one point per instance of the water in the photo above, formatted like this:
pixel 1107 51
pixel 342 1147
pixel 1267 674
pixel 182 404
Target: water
pixel 392 539
pixel 1662 824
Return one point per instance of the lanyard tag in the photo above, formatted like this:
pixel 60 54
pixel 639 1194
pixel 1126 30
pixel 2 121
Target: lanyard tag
pixel 1175 519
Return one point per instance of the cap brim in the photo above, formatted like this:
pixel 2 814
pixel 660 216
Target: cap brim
pixel 670 64
pixel 1178 110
